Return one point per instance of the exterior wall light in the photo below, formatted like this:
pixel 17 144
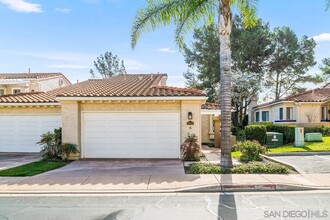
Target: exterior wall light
pixel 190 115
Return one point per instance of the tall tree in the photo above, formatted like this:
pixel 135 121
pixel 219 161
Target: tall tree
pixel 325 68
pixel 108 65
pixel 289 63
pixel 251 48
pixel 187 14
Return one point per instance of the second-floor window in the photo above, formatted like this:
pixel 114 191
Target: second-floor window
pixel 16 91
pixel 289 113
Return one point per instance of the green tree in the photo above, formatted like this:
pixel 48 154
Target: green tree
pixel 325 68
pixel 108 65
pixel 188 14
pixel 251 48
pixel 289 63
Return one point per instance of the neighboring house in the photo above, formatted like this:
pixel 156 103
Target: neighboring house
pixel 15 83
pixel 125 116
pixel 308 108
pixel 208 111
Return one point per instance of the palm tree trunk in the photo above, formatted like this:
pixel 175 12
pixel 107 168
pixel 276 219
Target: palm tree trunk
pixel 225 80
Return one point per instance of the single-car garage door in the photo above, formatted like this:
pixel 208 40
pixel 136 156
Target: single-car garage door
pixel 131 135
pixel 21 133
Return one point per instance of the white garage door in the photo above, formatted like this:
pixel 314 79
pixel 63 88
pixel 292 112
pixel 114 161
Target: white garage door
pixel 131 135
pixel 21 133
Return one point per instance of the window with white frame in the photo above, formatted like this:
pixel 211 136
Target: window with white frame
pixel 2 91
pixel 324 113
pixel 265 115
pixel 16 91
pixel 289 113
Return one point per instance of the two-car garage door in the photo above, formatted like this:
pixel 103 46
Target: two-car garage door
pixel 20 133
pixel 130 135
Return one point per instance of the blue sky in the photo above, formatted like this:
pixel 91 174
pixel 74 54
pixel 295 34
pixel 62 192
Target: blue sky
pixel 67 35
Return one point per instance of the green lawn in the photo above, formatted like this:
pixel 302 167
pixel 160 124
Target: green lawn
pixel 309 147
pixel 32 169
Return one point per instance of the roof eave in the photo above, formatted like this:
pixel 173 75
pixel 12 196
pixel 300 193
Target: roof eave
pixel 137 98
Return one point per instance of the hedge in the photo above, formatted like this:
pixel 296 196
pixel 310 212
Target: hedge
pixel 288 132
pixel 324 130
pixel 256 132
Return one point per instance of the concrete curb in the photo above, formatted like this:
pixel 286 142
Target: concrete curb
pixel 299 153
pixel 198 189
pixel 283 163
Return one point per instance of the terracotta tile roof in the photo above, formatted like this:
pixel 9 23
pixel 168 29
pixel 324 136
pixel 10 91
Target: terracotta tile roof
pixel 211 106
pixel 28 75
pixel 315 95
pixel 128 85
pixel 33 97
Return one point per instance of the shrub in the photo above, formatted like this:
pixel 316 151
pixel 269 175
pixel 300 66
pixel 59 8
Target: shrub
pixel 241 136
pixel 52 148
pixel 190 149
pixel 247 168
pixel 324 130
pixel 256 132
pixel 288 132
pixel 250 150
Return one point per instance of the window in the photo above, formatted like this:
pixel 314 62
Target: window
pixel 281 113
pixel 257 116
pixel 16 91
pixel 265 116
pixel 324 113
pixel 289 113
pixel 2 91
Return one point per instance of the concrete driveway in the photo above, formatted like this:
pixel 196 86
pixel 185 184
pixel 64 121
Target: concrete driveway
pixel 9 160
pixel 119 167
pixel 307 163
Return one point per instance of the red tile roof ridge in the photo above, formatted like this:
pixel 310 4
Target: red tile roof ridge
pixel 177 88
pixel 21 94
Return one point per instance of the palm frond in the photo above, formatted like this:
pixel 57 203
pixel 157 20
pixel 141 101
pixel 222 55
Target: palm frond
pixel 248 11
pixel 327 5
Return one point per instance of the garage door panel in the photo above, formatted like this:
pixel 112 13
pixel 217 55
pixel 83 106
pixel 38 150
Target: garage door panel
pixel 21 133
pixel 131 135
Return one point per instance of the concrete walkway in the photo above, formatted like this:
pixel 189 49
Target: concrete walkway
pixel 212 155
pixel 162 183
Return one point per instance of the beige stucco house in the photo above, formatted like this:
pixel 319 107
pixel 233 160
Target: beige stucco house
pixel 304 109
pixel 208 111
pixel 14 83
pixel 125 116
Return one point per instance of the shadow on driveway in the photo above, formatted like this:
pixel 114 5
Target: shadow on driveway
pixel 9 160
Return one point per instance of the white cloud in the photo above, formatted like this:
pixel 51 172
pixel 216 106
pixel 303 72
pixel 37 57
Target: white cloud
pixel 68 66
pixel 322 37
pixel 134 65
pixel 166 50
pixel 22 6
pixel 63 10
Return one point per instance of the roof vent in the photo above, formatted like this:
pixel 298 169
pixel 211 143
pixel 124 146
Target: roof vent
pixel 140 77
pixel 151 76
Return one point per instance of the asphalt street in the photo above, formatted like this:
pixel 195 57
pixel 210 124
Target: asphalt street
pixel 201 206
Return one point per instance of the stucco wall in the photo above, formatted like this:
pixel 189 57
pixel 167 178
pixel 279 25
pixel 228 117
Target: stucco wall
pixel 205 128
pixel 71 115
pixel 51 83
pixel 29 110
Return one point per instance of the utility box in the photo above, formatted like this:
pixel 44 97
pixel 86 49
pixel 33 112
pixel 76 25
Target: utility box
pixel 313 137
pixel 299 137
pixel 274 139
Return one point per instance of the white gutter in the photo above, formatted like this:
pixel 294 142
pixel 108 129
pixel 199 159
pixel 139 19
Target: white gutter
pixel 149 98
pixel 210 112
pixel 276 103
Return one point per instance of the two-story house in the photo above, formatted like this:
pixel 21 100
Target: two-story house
pixel 14 83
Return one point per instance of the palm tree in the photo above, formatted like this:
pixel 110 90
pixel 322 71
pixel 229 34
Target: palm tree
pixel 188 14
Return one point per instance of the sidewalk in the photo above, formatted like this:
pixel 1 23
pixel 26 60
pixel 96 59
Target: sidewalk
pixel 166 183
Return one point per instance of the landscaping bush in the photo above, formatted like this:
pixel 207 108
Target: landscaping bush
pixel 250 150
pixel 190 149
pixel 288 131
pixel 247 168
pixel 256 132
pixel 52 148
pixel 324 130
pixel 241 136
